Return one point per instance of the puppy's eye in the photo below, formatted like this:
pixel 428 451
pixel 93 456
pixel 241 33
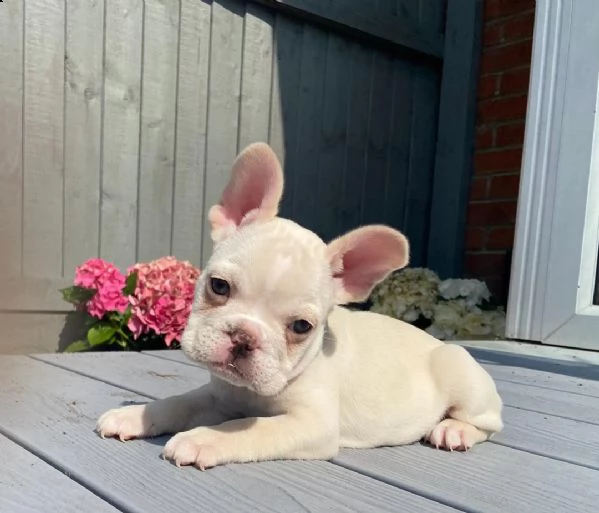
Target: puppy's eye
pixel 300 326
pixel 220 287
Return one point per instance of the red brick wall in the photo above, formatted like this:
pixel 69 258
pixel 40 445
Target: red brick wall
pixel 502 95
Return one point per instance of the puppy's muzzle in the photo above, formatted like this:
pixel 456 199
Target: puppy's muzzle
pixel 244 340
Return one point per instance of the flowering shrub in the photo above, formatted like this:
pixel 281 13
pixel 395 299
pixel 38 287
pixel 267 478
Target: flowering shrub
pixel 162 298
pixel 146 309
pixel 107 281
pixel 450 309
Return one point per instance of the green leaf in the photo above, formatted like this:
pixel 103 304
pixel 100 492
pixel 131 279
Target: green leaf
pixel 130 284
pixel 127 315
pixel 100 334
pixel 77 346
pixel 77 295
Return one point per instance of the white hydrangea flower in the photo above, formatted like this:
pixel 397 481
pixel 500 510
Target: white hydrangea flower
pixel 407 294
pixel 483 324
pixel 451 305
pixel 440 332
pixel 473 291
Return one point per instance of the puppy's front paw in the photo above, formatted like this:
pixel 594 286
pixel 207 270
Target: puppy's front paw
pixel 199 447
pixel 124 423
pixel 455 435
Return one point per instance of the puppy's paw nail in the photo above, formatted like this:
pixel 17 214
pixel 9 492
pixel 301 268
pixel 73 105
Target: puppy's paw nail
pixel 455 435
pixel 123 423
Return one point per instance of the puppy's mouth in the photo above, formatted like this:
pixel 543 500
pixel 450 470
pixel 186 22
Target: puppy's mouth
pixel 228 368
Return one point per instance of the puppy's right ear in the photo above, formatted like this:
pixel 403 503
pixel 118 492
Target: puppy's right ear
pixel 252 194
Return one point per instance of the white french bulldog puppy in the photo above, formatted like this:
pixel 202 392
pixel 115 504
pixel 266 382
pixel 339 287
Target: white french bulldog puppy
pixel 293 375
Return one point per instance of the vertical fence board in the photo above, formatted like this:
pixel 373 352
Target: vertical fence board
pixel 420 174
pixel 379 125
pixel 396 184
pixel 192 103
pixel 223 104
pixel 120 151
pixel 11 135
pixel 313 67
pixel 256 75
pixel 360 78
pixel 284 102
pixel 83 128
pixel 157 152
pixel 333 137
pixel 43 141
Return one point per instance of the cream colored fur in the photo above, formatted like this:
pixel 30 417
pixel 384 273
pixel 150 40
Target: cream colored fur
pixel 356 379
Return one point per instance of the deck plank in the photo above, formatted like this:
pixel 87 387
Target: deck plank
pixel 566 375
pixel 53 411
pixel 545 380
pixel 143 375
pixel 161 373
pixel 29 485
pixel 554 437
pixel 490 478
pixel 574 366
pixel 552 402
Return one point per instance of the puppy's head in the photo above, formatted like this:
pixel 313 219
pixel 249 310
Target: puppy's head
pixel 263 299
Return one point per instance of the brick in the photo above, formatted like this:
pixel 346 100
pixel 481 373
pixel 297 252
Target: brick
pixel 488 86
pixel 486 264
pixel 479 188
pixel 498 286
pixel 501 160
pixel 476 238
pixel 484 137
pixel 503 8
pixel 487 214
pixel 492 35
pixel 503 58
pixel 516 81
pixel 500 238
pixel 504 187
pixel 502 109
pixel 520 27
pixel 510 135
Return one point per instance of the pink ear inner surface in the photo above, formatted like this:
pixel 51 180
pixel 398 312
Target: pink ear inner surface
pixel 364 257
pixel 253 192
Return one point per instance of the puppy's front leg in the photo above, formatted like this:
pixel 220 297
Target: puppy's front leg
pixel 296 435
pixel 169 415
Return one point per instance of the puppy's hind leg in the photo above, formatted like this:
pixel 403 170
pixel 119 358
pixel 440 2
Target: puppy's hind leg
pixel 474 412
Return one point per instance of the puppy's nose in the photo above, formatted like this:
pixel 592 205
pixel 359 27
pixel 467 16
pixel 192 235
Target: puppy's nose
pixel 244 342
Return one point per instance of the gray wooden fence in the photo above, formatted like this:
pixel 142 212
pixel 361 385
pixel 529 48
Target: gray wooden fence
pixel 119 121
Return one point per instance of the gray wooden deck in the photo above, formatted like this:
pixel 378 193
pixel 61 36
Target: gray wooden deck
pixel 546 460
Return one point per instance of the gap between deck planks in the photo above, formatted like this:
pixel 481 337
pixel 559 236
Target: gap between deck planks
pixel 51 412
pixel 415 467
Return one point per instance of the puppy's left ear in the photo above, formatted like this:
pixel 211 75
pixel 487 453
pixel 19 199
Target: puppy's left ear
pixel 363 258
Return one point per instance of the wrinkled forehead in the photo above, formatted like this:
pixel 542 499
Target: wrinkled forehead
pixel 277 257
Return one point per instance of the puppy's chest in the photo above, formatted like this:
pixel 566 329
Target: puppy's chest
pixel 240 403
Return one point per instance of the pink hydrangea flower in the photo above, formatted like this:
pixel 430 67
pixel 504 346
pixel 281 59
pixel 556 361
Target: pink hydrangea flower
pixel 163 297
pixel 108 282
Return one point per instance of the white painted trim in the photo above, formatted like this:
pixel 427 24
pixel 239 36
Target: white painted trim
pixel 557 231
pixel 537 183
pixel 531 349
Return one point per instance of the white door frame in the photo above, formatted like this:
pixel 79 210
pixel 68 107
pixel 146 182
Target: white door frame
pixel 557 229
